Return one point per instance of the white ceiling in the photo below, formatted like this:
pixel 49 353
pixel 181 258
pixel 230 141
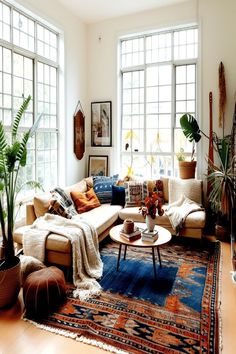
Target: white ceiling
pixel 90 11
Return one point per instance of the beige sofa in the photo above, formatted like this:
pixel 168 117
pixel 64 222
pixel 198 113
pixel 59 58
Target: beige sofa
pixel 58 248
pixel 173 188
pixel 104 217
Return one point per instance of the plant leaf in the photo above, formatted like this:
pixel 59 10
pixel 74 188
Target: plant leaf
pixel 190 127
pixel 22 148
pixel 18 117
pixel 31 185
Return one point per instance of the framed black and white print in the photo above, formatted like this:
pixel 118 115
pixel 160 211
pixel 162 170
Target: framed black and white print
pixel 98 165
pixel 101 129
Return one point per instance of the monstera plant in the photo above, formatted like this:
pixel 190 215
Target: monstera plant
pixel 13 156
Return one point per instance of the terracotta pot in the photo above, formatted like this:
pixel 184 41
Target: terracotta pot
pixel 150 222
pixel 10 283
pixel 221 233
pixel 187 169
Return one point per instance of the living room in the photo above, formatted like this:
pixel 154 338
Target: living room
pixel 89 71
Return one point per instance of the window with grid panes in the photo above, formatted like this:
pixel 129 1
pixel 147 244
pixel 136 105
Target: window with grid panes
pixel 158 85
pixel 29 65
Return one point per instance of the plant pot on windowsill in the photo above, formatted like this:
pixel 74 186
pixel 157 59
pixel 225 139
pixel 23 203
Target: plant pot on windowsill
pixel 187 169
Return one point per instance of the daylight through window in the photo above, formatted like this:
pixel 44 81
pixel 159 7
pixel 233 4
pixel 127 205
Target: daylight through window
pixel 158 76
pixel 28 66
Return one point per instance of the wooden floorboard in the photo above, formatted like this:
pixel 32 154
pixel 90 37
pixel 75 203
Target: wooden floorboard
pixel 20 337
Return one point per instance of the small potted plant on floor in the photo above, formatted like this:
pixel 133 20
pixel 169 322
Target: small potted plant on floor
pixel 12 158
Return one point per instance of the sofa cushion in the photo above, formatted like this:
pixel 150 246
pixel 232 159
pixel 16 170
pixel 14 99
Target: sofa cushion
pixel 135 192
pixel 190 188
pixel 165 181
pixel 102 217
pixel 41 204
pixel 194 220
pixel 103 187
pixel 85 201
pixel 79 187
pixel 118 195
pixel 61 204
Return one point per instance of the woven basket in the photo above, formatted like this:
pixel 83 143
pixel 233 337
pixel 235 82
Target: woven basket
pixel 10 283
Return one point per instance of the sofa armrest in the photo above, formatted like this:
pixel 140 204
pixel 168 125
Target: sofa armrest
pixel 30 214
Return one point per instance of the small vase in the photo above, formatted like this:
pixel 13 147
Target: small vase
pixel 150 222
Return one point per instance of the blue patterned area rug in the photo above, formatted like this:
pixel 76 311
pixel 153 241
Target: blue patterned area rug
pixel 175 313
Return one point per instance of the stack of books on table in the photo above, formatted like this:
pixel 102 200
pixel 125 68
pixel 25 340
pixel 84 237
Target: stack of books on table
pixel 149 236
pixel 131 237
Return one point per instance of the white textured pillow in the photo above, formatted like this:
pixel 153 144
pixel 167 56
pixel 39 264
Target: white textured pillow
pixel 41 204
pixel 78 187
pixel 190 188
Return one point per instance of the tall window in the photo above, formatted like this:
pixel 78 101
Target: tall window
pixel 158 74
pixel 28 66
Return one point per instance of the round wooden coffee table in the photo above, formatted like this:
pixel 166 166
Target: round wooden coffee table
pixel 164 236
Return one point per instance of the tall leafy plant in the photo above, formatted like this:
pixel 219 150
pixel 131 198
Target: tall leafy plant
pixel 220 176
pixel 13 157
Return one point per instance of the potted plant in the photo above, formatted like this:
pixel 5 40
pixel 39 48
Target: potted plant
pixel 12 158
pixel 192 132
pixel 221 177
pixel 222 192
pixel 186 168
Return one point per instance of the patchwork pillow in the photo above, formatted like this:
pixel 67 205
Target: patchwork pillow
pixel 103 187
pixel 118 195
pixel 135 193
pixel 61 204
pixel 159 189
pixel 85 201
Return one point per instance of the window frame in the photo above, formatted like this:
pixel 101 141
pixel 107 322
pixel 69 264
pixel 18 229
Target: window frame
pixel 174 64
pixel 36 58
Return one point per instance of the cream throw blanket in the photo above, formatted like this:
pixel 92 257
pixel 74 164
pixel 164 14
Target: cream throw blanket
pixel 178 211
pixel 87 264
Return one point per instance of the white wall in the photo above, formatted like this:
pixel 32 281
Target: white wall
pixel 91 70
pixel 218 33
pixel 75 70
pixel 218 44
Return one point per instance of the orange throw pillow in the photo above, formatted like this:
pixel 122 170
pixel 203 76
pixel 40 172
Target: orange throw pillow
pixel 85 201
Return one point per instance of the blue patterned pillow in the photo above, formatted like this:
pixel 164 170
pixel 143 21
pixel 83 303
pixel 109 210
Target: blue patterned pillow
pixel 102 186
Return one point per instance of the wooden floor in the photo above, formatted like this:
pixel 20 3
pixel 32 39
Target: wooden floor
pixel 20 337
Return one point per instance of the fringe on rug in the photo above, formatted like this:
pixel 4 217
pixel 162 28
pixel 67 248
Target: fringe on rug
pixel 81 338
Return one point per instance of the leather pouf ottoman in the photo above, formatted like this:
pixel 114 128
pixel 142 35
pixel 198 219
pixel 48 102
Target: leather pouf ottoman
pixel 44 291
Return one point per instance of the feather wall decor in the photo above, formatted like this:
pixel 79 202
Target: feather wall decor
pixel 222 95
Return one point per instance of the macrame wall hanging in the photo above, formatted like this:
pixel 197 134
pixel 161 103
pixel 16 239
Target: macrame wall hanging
pixel 79 131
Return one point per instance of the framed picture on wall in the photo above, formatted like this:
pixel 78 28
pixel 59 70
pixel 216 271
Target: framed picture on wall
pixel 98 165
pixel 101 129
